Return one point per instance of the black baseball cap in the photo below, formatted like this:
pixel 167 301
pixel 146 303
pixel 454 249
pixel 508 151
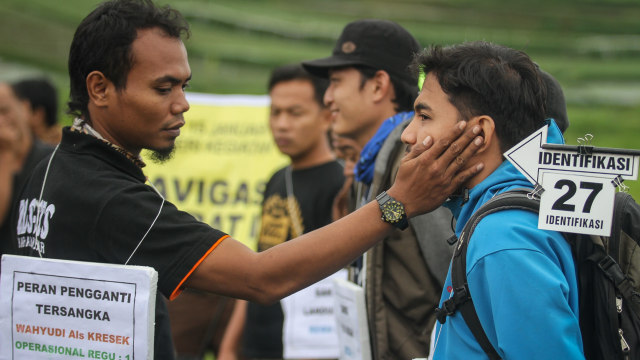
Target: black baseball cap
pixel 379 44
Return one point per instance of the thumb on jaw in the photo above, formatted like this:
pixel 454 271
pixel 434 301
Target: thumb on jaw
pixel 419 148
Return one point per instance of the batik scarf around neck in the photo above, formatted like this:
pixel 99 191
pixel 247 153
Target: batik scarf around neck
pixel 366 163
pixel 82 126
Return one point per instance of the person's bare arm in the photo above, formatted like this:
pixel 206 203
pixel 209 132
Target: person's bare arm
pixel 425 179
pixel 230 344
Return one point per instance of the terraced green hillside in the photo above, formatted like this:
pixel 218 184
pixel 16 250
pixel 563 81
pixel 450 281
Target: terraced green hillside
pixel 591 47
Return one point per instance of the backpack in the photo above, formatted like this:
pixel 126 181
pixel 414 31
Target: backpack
pixel 608 270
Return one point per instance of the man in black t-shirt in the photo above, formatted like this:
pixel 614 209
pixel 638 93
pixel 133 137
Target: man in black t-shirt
pixel 297 199
pixel 128 69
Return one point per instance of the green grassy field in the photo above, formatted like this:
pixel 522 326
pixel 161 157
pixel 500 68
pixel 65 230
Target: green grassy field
pixel 591 47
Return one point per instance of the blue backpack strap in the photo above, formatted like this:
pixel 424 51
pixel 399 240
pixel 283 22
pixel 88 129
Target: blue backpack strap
pixel 461 299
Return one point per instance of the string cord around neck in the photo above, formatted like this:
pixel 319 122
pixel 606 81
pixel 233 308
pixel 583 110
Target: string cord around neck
pixel 41 208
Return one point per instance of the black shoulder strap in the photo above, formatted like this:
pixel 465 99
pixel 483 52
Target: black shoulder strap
pixel 626 220
pixel 461 298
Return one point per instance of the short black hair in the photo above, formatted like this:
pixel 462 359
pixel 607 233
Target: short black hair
pixel 102 42
pixel 369 45
pixel 405 93
pixel 297 72
pixel 41 94
pixel 555 105
pixel 482 78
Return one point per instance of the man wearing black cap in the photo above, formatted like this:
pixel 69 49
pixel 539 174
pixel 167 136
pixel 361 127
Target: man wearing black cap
pixel 371 96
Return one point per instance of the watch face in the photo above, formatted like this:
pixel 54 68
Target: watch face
pixel 393 211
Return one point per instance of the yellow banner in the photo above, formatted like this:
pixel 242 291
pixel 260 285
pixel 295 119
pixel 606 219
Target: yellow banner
pixel 224 156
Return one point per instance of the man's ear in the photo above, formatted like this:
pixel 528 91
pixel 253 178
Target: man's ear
pixel 98 88
pixel 382 85
pixel 487 131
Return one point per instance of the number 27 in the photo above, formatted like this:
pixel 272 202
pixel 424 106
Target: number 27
pixel 561 203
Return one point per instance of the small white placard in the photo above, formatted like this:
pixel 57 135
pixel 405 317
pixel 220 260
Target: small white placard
pixel 530 158
pixel 351 319
pixel 576 203
pixel 58 309
pixel 309 322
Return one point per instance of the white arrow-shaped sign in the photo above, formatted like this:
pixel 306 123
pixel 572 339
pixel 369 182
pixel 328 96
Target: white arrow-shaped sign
pixel 533 155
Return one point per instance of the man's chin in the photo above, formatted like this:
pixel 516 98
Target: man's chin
pixel 160 156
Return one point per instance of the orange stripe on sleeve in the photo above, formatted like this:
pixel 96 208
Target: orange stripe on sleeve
pixel 179 288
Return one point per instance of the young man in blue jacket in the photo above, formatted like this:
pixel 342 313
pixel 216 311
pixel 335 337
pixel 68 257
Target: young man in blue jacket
pixel 522 279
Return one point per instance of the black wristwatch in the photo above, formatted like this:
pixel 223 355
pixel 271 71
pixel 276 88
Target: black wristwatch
pixel 392 211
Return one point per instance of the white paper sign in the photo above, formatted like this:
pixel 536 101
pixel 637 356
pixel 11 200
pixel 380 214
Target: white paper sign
pixel 576 204
pixel 351 319
pixel 309 330
pixel 531 159
pixel 57 309
pixel 577 182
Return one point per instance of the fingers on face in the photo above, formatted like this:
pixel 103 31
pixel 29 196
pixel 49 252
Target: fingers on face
pixel 456 140
pixel 462 150
pixel 455 148
pixel 452 147
pixel 464 175
pixel 415 150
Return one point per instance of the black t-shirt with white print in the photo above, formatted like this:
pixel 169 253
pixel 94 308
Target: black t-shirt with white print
pixel 314 190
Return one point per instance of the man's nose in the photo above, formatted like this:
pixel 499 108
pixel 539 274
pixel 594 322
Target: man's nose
pixel 281 121
pixel 328 96
pixel 181 105
pixel 408 135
